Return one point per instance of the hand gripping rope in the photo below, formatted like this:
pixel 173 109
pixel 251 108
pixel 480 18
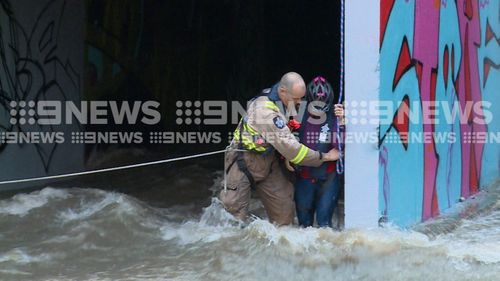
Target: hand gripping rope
pixel 340 162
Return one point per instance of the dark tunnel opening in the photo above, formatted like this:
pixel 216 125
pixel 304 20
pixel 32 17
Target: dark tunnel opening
pixel 173 51
pixel 169 52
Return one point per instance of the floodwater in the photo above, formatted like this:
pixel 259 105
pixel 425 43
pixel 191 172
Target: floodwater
pixel 91 234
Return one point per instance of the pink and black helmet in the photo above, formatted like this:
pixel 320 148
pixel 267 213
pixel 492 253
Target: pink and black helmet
pixel 320 91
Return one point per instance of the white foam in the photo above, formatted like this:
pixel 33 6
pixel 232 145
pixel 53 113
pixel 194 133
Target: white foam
pixel 22 204
pixel 88 209
pixel 375 240
pixel 14 272
pixel 75 238
pixel 214 224
pixel 298 239
pixel 487 252
pixel 20 256
pixel 326 243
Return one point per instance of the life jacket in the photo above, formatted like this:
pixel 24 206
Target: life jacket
pixel 320 137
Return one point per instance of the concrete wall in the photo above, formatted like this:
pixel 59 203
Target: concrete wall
pixel 361 88
pixel 41 58
pixel 444 52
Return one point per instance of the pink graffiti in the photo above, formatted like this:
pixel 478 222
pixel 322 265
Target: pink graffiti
pixel 469 90
pixel 426 38
pixel 464 85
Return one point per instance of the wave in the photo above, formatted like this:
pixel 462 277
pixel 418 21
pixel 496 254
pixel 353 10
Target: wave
pixel 79 221
pixel 22 204
pixel 21 256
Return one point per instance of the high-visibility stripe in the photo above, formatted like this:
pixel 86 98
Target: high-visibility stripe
pixel 249 129
pixel 300 155
pixel 272 105
pixel 248 143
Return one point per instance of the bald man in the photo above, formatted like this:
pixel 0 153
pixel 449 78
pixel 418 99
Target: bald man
pixel 264 136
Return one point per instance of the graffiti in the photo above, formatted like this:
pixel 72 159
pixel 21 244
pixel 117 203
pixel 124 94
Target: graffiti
pixel 444 55
pixel 489 61
pixel 484 3
pixel 426 38
pixel 31 67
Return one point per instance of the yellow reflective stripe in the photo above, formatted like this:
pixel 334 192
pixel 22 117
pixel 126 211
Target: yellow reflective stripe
pixel 249 129
pixel 247 142
pixel 259 148
pixel 252 146
pixel 236 134
pixel 272 105
pixel 300 155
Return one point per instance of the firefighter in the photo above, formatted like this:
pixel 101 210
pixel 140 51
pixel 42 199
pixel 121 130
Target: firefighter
pixel 260 141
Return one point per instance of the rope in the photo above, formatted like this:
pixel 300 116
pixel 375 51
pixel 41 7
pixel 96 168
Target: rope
pixel 340 162
pixel 115 168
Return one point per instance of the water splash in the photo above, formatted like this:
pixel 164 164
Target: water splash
pixel 88 230
pixel 22 204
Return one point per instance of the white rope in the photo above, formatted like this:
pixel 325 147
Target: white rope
pixel 340 162
pixel 225 170
pixel 116 168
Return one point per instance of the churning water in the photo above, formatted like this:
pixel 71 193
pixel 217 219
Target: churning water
pixel 91 234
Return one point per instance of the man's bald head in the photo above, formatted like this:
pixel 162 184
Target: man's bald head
pixel 292 79
pixel 292 88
